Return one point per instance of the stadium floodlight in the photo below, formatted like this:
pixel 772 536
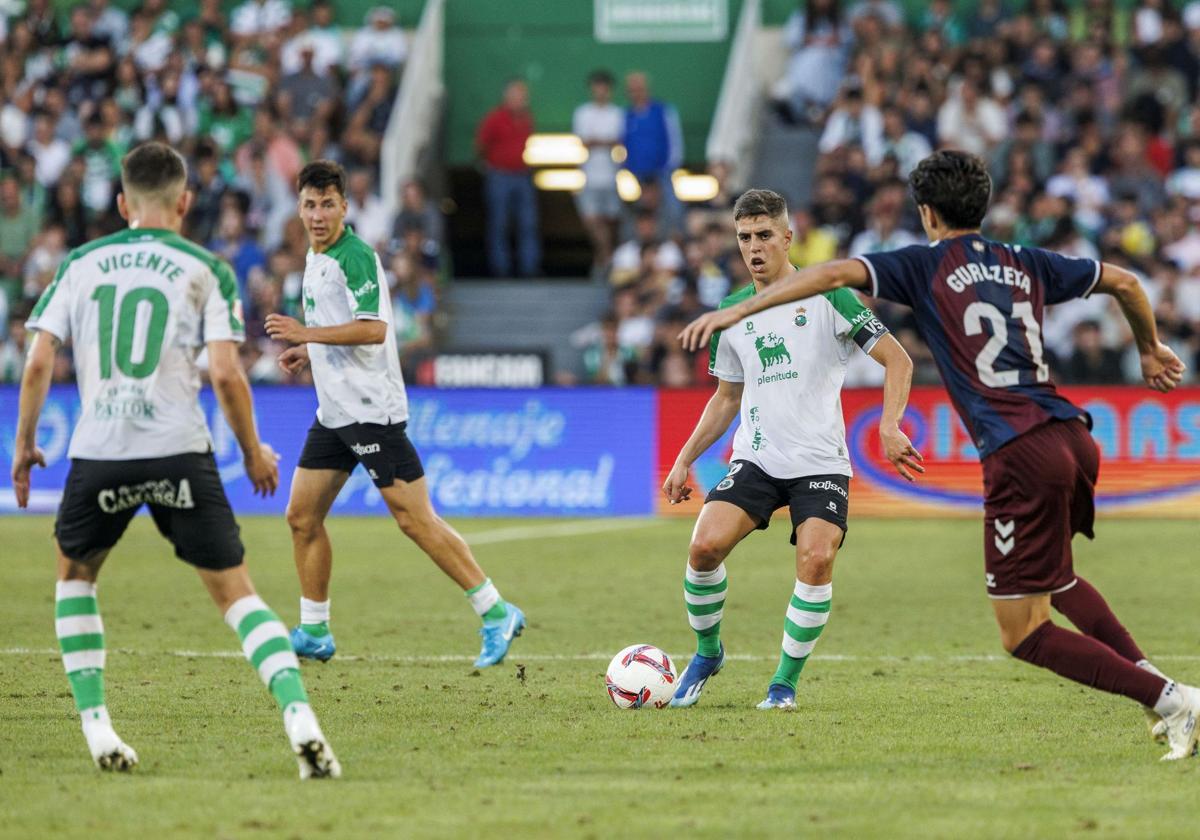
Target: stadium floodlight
pixel 628 187
pixel 554 150
pixel 556 180
pixel 691 187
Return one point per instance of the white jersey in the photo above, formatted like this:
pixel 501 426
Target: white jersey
pixel 792 359
pixel 355 383
pixel 138 306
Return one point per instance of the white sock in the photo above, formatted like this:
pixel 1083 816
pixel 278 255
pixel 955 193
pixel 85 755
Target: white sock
pixel 483 597
pixel 1170 701
pixel 709 578
pixel 313 612
pixel 1147 665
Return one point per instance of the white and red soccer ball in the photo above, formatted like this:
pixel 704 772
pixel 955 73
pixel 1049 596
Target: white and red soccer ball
pixel 639 676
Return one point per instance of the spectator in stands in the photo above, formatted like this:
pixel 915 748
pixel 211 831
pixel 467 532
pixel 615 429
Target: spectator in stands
pixel 19 225
pixel 380 41
pixel 369 117
pixel 307 94
pixel 908 147
pixel 819 43
pixel 111 23
pixel 65 208
pixel 414 300
pixel 418 212
pixel 628 258
pixel 271 200
pixel 52 153
pixel 235 244
pixel 853 122
pixel 653 141
pixel 970 120
pixel 600 125
pixel 258 19
pixel 508 191
pixel 12 347
pixel 1091 363
pixel 883 231
pixel 322 37
pixel 811 245
pixel 366 211
pixel 89 60
pixel 605 360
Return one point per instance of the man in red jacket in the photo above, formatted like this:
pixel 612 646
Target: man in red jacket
pixel 508 191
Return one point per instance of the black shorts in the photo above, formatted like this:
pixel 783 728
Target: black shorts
pixel 186 499
pixel 384 451
pixel 822 496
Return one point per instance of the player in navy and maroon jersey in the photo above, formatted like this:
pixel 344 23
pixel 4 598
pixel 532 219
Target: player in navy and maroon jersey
pixel 979 306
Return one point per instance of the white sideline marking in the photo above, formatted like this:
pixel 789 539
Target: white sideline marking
pixel 557 529
pixel 559 657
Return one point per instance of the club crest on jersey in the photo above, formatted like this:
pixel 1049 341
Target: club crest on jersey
pixel 772 350
pixel 801 319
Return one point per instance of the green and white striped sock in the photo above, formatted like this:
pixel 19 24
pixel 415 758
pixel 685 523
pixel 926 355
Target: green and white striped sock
pixel 806 616
pixel 704 595
pixel 81 638
pixel 486 601
pixel 265 643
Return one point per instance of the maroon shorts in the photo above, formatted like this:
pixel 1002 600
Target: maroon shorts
pixel 1039 491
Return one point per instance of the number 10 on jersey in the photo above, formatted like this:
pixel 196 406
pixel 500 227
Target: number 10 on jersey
pixel 125 323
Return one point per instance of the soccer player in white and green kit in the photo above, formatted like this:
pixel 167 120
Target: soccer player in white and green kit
pixel 139 306
pixel 783 372
pixel 349 341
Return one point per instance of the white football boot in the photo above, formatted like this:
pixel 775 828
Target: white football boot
pixel 108 750
pixel 1154 721
pixel 313 753
pixel 1181 725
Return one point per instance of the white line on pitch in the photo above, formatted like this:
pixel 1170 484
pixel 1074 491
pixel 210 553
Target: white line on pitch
pixel 560 657
pixel 557 529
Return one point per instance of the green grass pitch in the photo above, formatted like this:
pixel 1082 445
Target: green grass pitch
pixel 912 722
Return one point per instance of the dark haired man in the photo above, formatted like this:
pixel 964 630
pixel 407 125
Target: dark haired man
pixel 979 305
pixel 348 338
pixel 599 124
pixel 142 439
pixel 783 372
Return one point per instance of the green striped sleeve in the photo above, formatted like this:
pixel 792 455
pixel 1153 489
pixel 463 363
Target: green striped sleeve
pixel 360 268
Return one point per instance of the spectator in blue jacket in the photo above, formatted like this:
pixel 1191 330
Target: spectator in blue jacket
pixel 653 140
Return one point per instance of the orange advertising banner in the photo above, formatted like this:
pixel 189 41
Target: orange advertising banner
pixel 1149 444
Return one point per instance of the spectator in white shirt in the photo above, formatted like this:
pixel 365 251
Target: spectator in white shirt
pixel 854 122
pixel 323 37
pixel 367 212
pixel 52 154
pixel 970 121
pixel 908 147
pixel 255 19
pixel 380 41
pixel 883 231
pixel 599 124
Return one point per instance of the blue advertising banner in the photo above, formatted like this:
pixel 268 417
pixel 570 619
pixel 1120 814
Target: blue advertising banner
pixel 585 452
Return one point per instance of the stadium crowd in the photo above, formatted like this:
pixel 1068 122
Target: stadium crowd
pixel 1088 115
pixel 248 98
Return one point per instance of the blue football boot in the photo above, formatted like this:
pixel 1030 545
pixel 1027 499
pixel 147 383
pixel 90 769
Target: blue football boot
pixel 779 697
pixel 693 679
pixel 308 646
pixel 498 636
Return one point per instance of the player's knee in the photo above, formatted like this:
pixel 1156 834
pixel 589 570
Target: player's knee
pixel 706 553
pixel 303 522
pixel 412 525
pixel 816 563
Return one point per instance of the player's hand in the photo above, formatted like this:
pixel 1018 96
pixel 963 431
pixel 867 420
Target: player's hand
pixel 698 333
pixel 900 451
pixel 1162 369
pixel 294 360
pixel 287 329
pixel 262 468
pixel 22 465
pixel 676 486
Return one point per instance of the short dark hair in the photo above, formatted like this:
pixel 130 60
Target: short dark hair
pixel 601 77
pixel 760 203
pixel 955 185
pixel 152 167
pixel 321 175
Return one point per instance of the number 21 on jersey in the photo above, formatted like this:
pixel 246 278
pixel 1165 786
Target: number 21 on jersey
pixel 985 362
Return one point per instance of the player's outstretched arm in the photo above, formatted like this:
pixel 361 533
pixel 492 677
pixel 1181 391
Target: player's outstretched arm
pixel 358 331
pixel 796 286
pixel 722 407
pixel 1161 368
pixel 897 380
pixel 35 384
pixel 233 393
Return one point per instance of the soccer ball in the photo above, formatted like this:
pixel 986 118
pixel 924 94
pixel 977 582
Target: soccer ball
pixel 640 675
